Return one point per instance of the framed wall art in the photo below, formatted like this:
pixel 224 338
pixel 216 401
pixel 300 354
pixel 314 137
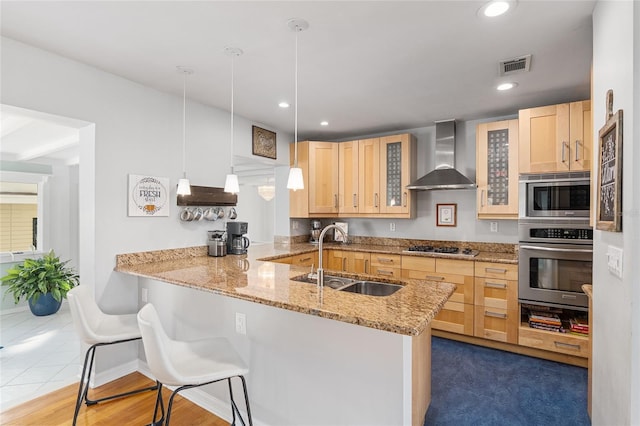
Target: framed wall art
pixel 264 142
pixel 148 196
pixel 609 185
pixel 446 214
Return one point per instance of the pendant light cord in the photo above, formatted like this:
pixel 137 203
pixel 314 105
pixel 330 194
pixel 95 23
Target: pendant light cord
pixel 295 124
pixel 232 60
pixel 184 120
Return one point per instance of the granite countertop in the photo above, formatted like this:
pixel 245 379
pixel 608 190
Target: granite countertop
pixel 248 277
pixel 486 251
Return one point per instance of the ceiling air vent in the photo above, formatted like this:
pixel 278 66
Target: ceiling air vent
pixel 515 65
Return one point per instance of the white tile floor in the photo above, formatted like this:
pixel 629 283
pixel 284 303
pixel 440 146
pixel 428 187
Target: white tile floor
pixel 40 355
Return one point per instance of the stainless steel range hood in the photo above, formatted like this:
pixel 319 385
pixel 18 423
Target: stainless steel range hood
pixel 445 176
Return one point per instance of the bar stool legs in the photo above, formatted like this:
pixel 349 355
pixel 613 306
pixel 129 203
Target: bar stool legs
pixel 85 380
pixel 234 408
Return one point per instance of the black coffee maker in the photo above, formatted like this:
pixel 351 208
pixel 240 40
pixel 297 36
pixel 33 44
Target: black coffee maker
pixel 237 243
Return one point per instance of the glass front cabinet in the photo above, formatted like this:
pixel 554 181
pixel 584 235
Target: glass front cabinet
pixel 497 169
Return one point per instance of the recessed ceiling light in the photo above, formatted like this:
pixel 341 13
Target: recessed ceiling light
pixel 496 8
pixel 283 105
pixel 324 123
pixel 506 86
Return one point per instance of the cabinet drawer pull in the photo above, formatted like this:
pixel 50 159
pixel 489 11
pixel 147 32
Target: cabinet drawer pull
pixel 577 143
pixel 355 202
pixel 561 345
pixel 385 260
pixel 564 144
pixel 335 200
pixel 344 264
pixel 495 285
pixel 434 278
pixel 496 270
pixel 404 199
pixel 366 266
pixel 306 259
pixel 384 272
pixel 495 314
pixel 375 203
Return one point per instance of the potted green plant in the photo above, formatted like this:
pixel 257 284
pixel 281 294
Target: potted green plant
pixel 44 282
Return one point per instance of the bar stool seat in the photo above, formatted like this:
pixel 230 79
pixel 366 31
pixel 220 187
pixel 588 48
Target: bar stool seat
pixel 188 364
pixel 96 328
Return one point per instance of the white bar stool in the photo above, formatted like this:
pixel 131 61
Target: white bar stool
pixel 188 364
pixel 98 329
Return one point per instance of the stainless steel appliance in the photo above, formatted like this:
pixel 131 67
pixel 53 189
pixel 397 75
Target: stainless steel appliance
pixel 316 228
pixel 562 195
pixel 217 241
pixel 237 243
pixel 555 254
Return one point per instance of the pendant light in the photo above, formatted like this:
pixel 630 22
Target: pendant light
pixel 296 180
pixel 184 187
pixel 231 183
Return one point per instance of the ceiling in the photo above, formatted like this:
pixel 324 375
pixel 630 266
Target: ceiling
pixel 365 67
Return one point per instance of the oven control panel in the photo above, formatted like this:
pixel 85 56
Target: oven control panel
pixel 561 233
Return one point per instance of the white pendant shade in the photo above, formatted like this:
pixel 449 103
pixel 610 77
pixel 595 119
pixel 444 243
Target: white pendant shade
pixel 184 188
pixel 231 184
pixel 295 181
pixel 267 192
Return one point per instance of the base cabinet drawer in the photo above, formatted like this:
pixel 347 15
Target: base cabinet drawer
pixel 554 341
pixel 496 324
pixel 306 259
pixel 455 317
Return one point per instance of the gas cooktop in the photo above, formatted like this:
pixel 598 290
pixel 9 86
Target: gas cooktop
pixel 442 250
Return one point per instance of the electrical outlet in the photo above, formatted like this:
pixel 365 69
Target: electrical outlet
pixel 494 226
pixel 241 323
pixel 294 224
pixel 392 226
pixel 614 260
pixel 144 295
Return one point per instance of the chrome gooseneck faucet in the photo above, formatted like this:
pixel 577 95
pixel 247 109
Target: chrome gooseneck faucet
pixel 320 270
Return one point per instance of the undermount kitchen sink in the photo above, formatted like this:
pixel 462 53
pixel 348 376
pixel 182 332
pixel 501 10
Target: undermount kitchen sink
pixel 369 288
pixel 372 288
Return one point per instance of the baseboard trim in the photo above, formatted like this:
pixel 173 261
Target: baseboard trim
pixel 204 400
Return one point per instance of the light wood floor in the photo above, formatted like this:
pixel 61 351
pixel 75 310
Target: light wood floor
pixel 57 407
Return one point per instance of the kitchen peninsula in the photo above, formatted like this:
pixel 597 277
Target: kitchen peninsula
pixel 315 358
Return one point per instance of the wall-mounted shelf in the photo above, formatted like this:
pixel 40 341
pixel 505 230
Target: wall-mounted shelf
pixel 207 196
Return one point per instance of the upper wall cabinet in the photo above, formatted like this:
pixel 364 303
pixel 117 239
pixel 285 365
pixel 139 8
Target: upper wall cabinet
pixel 319 164
pixel 556 138
pixel 497 169
pixel 397 170
pixel 363 178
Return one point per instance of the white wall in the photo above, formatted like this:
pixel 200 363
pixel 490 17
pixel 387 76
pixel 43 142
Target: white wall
pixel 616 319
pixel 137 130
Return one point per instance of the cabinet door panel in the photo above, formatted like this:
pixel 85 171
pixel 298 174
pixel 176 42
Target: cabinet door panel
pixel 497 169
pixel 369 175
pixel 323 177
pixel 581 135
pixel 348 177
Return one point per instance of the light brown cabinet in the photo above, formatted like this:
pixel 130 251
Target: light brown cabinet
pixel 349 261
pixel 319 164
pixel 556 138
pixel 364 178
pixel 385 265
pixel 457 314
pixel 397 170
pixel 496 314
pixel 348 177
pixel 369 176
pixel 497 170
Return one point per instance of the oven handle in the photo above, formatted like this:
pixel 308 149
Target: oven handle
pixel 557 249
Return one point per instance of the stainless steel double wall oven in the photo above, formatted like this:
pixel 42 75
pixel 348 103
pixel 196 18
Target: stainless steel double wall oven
pixel 556 241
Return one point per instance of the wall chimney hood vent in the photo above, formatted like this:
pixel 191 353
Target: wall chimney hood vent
pixel 445 176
